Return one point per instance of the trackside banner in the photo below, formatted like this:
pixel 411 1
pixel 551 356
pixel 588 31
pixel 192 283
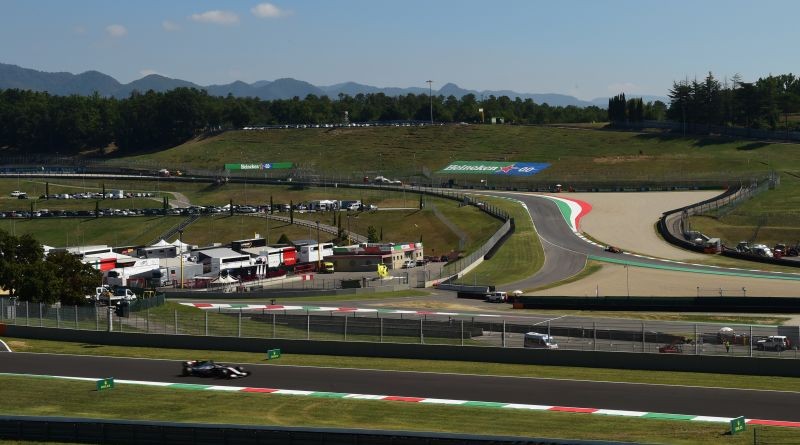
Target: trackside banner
pixel 495 168
pixel 259 166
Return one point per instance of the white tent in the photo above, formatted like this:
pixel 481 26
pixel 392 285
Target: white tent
pixel 183 247
pixel 227 283
pixel 161 243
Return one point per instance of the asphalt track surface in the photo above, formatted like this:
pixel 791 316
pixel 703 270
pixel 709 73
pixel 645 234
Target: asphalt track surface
pixel 566 254
pixel 772 405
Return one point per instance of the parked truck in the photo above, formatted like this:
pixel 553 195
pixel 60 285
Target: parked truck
pixel 109 296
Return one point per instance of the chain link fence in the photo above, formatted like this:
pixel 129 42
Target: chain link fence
pixel 396 326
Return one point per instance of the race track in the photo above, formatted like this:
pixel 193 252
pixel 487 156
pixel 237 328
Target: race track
pixel 753 404
pixel 566 253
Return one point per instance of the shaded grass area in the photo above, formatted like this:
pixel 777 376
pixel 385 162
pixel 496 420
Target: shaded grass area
pixel 520 256
pixel 439 366
pixel 44 397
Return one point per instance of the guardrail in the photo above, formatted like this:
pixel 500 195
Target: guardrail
pixel 772 364
pixel 283 321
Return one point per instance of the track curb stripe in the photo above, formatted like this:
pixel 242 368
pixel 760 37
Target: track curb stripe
pixel 276 307
pixel 433 401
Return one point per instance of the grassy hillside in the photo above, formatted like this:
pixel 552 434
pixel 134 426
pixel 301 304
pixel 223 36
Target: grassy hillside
pixel 575 153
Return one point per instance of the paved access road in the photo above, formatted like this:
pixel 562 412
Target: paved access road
pixel 773 405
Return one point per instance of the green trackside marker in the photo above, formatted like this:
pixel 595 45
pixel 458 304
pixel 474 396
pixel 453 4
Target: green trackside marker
pixel 273 354
pixel 738 425
pixel 485 404
pixel 105 384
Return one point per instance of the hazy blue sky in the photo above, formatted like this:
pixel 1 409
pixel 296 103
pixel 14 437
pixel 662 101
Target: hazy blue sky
pixel 584 48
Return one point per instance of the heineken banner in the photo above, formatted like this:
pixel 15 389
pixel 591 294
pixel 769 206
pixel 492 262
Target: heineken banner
pixel 257 166
pixel 494 168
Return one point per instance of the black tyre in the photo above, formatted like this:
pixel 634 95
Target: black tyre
pixel 186 372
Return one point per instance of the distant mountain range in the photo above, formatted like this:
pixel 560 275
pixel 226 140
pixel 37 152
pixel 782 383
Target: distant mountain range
pixel 62 83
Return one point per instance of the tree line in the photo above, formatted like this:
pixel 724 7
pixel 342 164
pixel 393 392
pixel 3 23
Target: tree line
pixel 27 274
pixel 38 121
pixel 764 104
pixel 621 111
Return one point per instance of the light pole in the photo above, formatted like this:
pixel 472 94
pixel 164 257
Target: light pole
pixel 180 249
pixel 627 280
pixel 430 96
pixel 319 251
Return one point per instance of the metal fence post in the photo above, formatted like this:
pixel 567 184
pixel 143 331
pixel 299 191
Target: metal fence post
pixel 96 319
pixel 147 320
pixel 273 325
pixel 176 322
pixel 548 328
pixel 594 333
pixel 41 321
pixel 644 339
pixel 696 341
pixel 239 327
pixel 504 334
pixel 381 323
pixel 75 308
pixel 345 327
pixel 750 341
pixel 27 316
pixel 462 332
pixel 205 315
pixel 308 326
pixel 58 317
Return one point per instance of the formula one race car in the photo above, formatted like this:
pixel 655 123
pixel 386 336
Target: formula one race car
pixel 613 249
pixel 207 368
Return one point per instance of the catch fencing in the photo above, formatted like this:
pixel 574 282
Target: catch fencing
pixel 404 326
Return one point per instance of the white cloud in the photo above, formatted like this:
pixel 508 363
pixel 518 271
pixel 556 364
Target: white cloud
pixel 147 72
pixel 80 30
pixel 216 17
pixel 267 11
pixel 170 26
pixel 116 31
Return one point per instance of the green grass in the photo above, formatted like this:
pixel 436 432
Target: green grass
pixel 769 218
pixel 521 255
pixel 575 154
pixel 397 225
pixel 45 397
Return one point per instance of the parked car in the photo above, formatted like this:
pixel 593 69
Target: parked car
pixel 774 343
pixel 16 193
pixel 537 340
pixel 408 264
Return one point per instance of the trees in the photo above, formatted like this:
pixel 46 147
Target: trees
pixel 28 275
pixel 759 104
